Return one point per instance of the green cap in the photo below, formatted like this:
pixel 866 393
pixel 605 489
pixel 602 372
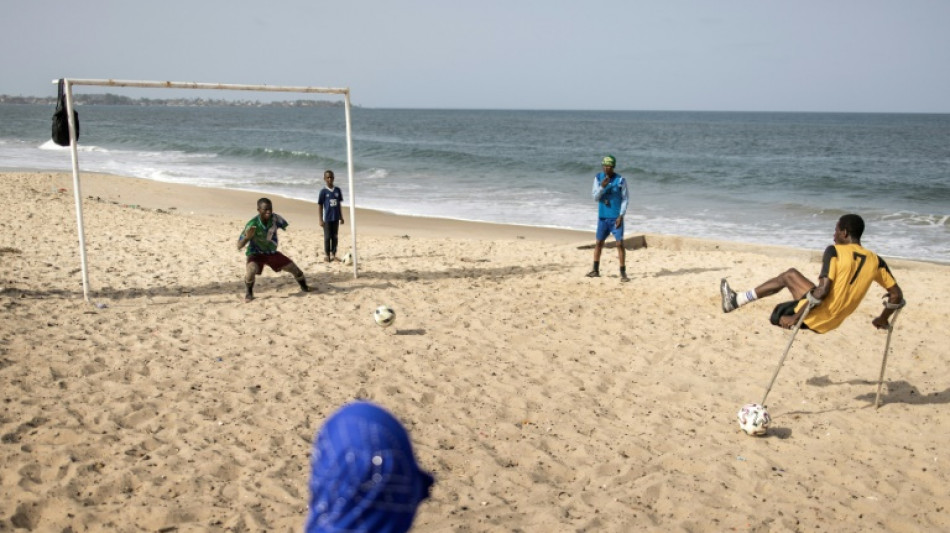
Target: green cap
pixel 609 161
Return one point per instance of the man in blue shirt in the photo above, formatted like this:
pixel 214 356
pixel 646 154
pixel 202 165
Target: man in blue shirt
pixel 610 193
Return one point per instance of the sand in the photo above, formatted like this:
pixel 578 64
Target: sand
pixel 540 399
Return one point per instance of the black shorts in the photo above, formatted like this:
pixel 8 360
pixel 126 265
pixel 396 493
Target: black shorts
pixel 785 309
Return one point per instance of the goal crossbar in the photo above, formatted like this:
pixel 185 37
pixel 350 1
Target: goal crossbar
pixel 210 86
pixel 69 82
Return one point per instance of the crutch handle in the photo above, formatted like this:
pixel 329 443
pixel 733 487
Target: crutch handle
pixel 898 305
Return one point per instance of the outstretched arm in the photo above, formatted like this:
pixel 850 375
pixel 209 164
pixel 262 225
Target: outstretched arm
pixel 245 238
pixel 895 297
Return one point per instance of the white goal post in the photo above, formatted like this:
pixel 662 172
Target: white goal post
pixel 69 82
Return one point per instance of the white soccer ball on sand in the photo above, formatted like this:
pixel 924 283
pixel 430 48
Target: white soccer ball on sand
pixel 348 258
pixel 384 316
pixel 754 419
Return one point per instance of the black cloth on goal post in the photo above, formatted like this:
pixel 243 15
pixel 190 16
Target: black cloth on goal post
pixel 61 118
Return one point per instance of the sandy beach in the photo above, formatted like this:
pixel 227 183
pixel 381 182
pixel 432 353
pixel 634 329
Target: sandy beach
pixel 541 400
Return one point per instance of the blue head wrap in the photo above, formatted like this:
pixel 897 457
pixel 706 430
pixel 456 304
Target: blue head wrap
pixel 364 476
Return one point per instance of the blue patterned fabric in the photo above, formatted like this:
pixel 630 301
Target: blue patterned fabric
pixel 364 476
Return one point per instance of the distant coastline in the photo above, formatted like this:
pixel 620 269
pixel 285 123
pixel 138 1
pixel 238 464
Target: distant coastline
pixel 114 99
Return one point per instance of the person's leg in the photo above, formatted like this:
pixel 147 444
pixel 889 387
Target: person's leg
pixel 334 238
pixel 595 272
pixel 604 227
pixel 791 279
pixel 298 275
pixel 252 269
pixel 621 254
pixel 326 240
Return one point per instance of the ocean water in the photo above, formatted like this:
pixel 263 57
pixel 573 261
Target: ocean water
pixel 768 178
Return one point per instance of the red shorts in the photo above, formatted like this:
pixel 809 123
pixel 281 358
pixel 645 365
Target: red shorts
pixel 276 261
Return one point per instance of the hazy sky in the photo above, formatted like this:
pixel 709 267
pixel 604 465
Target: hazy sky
pixel 745 55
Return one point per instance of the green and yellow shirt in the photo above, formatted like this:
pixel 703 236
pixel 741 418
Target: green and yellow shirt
pixel 264 240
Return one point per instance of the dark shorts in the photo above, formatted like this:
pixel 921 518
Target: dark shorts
pixel 785 309
pixel 276 261
pixel 605 226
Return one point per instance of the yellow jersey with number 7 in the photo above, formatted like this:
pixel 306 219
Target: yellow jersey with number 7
pixel 851 269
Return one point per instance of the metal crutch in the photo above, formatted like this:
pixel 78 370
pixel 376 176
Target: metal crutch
pixel 812 302
pixel 887 346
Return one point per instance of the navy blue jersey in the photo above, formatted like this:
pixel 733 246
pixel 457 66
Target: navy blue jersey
pixel 332 204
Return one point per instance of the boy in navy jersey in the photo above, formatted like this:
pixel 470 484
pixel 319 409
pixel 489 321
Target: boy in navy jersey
pixel 331 202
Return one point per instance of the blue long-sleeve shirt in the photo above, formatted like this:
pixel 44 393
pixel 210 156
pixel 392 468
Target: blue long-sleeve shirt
pixel 612 199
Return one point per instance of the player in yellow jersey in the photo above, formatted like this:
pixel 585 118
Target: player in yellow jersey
pixel 847 270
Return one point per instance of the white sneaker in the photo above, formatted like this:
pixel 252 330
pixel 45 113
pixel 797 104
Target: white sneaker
pixel 728 297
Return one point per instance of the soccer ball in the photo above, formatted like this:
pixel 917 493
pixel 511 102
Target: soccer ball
pixel 754 419
pixel 384 316
pixel 348 258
